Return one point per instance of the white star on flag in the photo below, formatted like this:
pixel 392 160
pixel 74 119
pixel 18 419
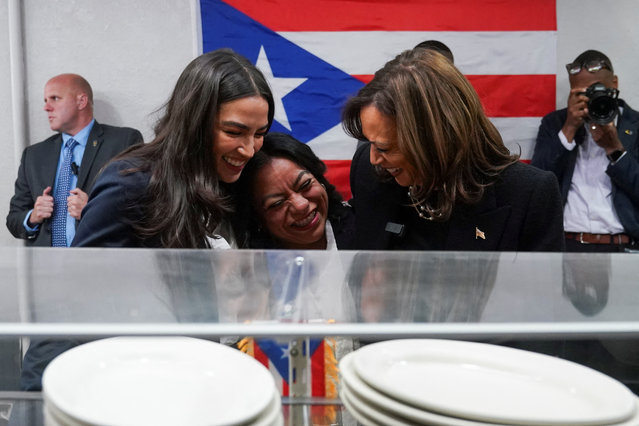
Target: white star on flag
pixel 286 352
pixel 281 86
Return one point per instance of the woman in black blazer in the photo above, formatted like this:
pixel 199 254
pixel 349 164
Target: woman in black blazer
pixel 435 173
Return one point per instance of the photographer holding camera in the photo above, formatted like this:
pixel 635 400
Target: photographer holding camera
pixel 592 147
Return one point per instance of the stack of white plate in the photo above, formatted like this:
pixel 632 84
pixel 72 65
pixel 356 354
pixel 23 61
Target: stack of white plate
pixel 442 382
pixel 158 381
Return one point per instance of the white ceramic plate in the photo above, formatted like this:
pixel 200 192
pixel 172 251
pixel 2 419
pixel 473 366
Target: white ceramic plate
pixel 158 381
pixel 49 418
pixel 56 417
pixel 363 395
pixel 271 417
pixel 492 383
pixel 362 414
pixel 634 421
pixel 273 414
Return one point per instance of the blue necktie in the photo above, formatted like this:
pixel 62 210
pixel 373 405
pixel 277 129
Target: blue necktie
pixel 59 223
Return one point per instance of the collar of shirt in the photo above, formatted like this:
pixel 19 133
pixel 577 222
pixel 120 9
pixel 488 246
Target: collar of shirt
pixel 81 137
pixel 331 243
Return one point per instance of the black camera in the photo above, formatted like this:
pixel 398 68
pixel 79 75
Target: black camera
pixel 602 103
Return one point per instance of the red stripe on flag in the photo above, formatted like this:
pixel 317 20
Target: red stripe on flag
pixel 515 95
pixel 318 372
pixel 363 78
pixel 337 173
pixel 510 95
pixel 259 355
pixel 405 15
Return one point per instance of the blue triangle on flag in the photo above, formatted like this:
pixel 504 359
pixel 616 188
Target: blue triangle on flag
pixel 277 353
pixel 313 107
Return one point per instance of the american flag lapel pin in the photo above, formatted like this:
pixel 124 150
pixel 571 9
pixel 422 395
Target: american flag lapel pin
pixel 479 234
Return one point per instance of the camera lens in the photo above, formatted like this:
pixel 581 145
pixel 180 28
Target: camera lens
pixel 602 103
pixel 602 110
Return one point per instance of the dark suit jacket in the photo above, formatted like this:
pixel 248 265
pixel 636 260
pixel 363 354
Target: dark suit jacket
pixel 115 202
pixel 38 169
pixel 551 155
pixel 521 211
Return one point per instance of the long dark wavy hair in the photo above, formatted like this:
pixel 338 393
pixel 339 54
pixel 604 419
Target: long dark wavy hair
pixel 442 129
pixel 184 200
pixel 248 225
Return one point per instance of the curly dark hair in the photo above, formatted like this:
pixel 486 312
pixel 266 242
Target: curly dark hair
pixel 247 224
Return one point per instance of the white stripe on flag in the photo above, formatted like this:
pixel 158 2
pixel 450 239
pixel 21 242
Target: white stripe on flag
pixel 334 144
pixel 476 53
pixel 518 133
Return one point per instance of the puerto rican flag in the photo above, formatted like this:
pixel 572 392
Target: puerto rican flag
pixel 317 53
pixel 319 381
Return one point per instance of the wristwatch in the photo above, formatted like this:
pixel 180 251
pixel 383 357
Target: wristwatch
pixel 615 155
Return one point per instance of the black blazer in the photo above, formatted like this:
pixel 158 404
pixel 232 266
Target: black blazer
pixel 116 201
pixel 551 155
pixel 38 169
pixel 521 211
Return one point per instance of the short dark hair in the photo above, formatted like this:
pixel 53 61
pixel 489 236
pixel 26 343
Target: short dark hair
pixel 593 55
pixel 277 145
pixel 437 46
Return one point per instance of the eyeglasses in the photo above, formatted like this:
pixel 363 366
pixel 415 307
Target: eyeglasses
pixel 590 66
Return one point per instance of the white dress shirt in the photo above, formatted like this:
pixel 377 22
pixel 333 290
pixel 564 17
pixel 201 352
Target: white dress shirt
pixel 589 207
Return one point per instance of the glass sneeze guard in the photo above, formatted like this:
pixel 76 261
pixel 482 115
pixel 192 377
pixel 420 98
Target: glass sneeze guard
pixel 301 297
pixel 108 292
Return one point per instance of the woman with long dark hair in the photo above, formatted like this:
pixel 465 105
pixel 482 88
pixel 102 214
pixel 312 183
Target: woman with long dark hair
pixel 171 192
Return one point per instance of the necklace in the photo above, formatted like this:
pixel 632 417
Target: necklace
pixel 421 207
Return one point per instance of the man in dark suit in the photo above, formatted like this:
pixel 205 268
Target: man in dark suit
pixel 68 101
pixel 598 171
pixel 596 164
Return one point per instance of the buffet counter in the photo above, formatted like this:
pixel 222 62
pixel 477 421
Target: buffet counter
pixel 545 301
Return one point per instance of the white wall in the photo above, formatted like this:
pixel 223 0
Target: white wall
pixel 132 51
pixel 7 161
pixel 610 26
